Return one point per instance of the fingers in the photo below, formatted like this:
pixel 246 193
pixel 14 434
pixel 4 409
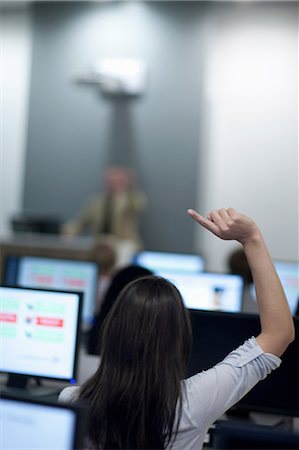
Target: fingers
pixel 224 214
pixel 227 224
pixel 218 221
pixel 216 215
pixel 199 218
pixel 207 223
pixel 232 212
pixel 216 218
pixel 222 219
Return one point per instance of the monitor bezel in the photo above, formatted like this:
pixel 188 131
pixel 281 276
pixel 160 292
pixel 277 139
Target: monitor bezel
pixel 226 433
pixel 73 379
pixel 293 262
pixel 77 409
pixel 222 274
pixel 160 252
pixel 282 260
pixel 243 405
pixel 58 258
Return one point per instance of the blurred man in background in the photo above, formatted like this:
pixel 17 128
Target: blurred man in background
pixel 115 211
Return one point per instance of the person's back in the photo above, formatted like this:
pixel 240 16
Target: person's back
pixel 138 397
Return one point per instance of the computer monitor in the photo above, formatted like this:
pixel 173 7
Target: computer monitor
pixel 209 291
pixel 236 435
pixel 31 424
pixel 39 334
pixel 288 272
pixel 161 262
pixel 215 334
pixel 57 274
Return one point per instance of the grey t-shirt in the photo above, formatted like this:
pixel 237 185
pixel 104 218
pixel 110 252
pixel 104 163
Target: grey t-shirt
pixel 208 394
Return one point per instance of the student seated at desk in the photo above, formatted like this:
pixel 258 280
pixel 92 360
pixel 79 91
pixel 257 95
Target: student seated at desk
pixel 238 264
pixel 120 279
pixel 105 255
pixel 138 398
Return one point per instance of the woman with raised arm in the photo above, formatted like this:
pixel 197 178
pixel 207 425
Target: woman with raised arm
pixel 276 320
pixel 138 398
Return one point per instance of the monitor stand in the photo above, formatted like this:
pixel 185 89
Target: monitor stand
pixel 17 381
pixel 259 418
pixel 240 414
pixel 21 385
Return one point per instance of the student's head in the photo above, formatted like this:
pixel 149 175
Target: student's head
pixel 104 254
pixel 145 348
pixel 237 263
pixel 119 280
pixel 148 320
pixel 122 278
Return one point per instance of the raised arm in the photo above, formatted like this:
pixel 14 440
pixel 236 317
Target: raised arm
pixel 277 328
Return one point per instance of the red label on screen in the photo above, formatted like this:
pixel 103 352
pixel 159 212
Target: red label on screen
pixel 73 282
pixel 8 317
pixel 49 322
pixel 43 279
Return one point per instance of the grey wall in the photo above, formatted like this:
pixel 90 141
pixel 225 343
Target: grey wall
pixel 74 131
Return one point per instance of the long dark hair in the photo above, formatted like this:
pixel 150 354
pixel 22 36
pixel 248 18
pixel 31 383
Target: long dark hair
pixel 135 397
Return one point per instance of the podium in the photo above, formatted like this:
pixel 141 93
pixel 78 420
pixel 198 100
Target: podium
pixel 56 246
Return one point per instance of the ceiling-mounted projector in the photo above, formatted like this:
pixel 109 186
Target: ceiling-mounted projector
pixel 125 76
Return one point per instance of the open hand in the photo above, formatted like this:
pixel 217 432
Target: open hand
pixel 227 224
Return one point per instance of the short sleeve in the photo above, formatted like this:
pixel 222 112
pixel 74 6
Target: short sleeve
pixel 251 351
pixel 212 392
pixel 69 394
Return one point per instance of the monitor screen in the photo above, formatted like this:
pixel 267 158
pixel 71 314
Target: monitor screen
pixel 237 435
pixel 57 274
pixel 209 291
pixel 215 334
pixel 28 424
pixel 39 332
pixel 288 272
pixel 160 262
